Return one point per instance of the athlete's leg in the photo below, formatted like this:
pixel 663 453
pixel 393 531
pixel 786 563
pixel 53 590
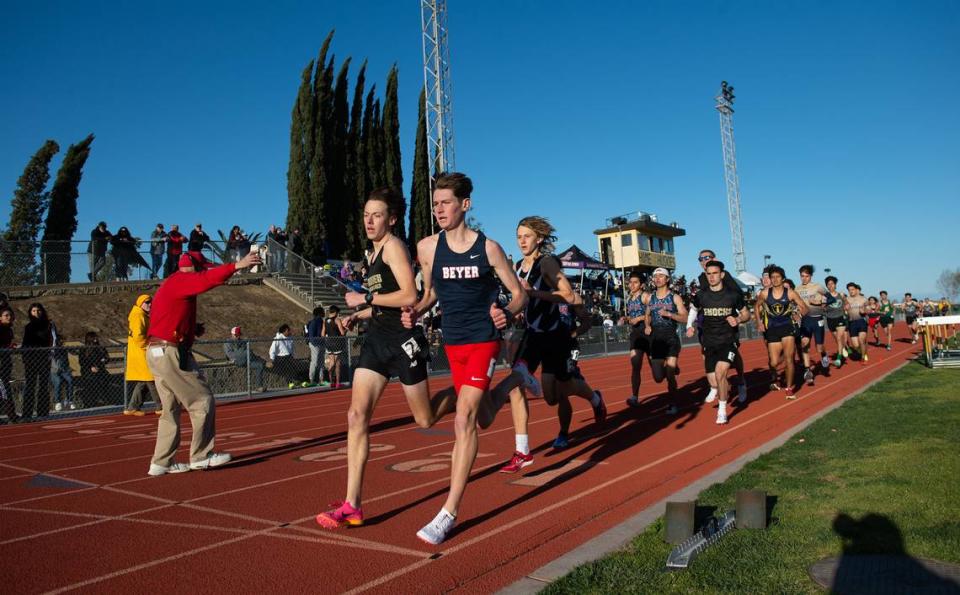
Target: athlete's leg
pixel 465 448
pixel 670 368
pixel 367 388
pixel 774 353
pixel 723 389
pixel 499 395
pixel 636 365
pixel 789 346
pixel 428 410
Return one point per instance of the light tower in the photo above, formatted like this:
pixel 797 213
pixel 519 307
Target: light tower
pixel 439 87
pixel 725 107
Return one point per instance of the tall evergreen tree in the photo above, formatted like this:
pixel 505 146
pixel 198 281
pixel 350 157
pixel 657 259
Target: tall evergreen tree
pixel 18 255
pixel 392 164
pixel 339 205
pixel 355 174
pixel 301 152
pixel 420 198
pixel 314 238
pixel 376 164
pixel 61 221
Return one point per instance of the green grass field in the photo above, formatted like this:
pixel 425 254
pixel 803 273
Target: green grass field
pixel 891 452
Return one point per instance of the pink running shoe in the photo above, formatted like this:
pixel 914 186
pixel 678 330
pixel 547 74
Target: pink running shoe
pixel 343 515
pixel 518 462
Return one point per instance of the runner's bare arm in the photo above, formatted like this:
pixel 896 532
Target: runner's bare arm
pixel 498 260
pixel 562 290
pixel 681 314
pixel 796 299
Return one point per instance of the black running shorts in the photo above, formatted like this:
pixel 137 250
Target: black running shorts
pixel 404 357
pixel 639 341
pixel 834 323
pixel 776 334
pixel 550 350
pixel 719 353
pixel 664 343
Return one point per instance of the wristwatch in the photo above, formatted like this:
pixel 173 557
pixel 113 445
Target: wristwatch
pixel 368 298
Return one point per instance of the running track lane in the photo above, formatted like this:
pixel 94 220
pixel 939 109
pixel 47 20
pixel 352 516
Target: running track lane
pixel 77 511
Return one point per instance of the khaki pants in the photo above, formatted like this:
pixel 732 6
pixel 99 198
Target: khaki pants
pixel 179 389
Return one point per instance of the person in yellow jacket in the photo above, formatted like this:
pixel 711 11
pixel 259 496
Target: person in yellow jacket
pixel 138 376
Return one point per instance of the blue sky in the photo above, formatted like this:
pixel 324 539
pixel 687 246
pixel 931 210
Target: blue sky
pixel 847 132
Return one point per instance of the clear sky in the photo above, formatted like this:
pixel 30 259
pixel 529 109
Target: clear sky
pixel 847 130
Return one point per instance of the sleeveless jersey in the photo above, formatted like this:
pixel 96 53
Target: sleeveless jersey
pixel 886 309
pixel 380 280
pixel 659 305
pixel 910 308
pixel 777 312
pixel 927 310
pixel 542 316
pixel 833 308
pixel 466 287
pixel 636 309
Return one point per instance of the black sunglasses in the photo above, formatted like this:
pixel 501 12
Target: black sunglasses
pixel 702 258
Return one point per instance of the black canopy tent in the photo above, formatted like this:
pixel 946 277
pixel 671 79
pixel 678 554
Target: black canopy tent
pixel 575 258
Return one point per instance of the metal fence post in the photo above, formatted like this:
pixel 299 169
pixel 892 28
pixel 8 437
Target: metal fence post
pixel 603 332
pixel 249 382
pixel 349 356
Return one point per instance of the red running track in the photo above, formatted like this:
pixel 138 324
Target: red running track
pixel 79 513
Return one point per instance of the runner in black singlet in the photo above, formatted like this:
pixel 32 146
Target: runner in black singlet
pixel 389 349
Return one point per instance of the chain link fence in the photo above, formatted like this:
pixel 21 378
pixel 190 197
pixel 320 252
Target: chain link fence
pixel 72 380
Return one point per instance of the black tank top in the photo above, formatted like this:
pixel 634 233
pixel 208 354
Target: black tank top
pixel 542 316
pixel 330 325
pixel 380 280
pixel 466 287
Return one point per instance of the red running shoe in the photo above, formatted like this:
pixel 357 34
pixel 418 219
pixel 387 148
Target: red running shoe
pixel 789 393
pixel 343 515
pixel 518 462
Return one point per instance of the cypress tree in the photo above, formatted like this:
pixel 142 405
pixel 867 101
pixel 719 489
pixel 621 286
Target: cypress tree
pixel 393 171
pixel 420 199
pixel 339 211
pixel 378 172
pixel 18 256
pixel 314 240
pixel 301 151
pixel 355 174
pixel 61 221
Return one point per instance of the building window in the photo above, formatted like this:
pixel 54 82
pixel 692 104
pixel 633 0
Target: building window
pixel 644 243
pixel 626 239
pixel 657 245
pixel 670 246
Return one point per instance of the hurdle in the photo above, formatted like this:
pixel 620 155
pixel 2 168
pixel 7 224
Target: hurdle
pixel 939 341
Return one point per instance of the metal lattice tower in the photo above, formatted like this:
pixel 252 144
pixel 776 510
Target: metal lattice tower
pixel 439 87
pixel 725 107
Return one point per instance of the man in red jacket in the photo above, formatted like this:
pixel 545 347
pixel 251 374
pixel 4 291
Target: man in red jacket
pixel 173 326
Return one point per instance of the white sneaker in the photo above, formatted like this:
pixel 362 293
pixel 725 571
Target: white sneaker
pixel 825 362
pixel 58 407
pixel 721 418
pixel 73 405
pixel 742 394
pixel 711 396
pixel 156 470
pixel 436 530
pixel 214 459
pixel 808 376
pixel 530 382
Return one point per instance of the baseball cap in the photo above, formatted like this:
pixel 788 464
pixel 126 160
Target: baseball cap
pixel 661 271
pixel 195 259
pixel 235 330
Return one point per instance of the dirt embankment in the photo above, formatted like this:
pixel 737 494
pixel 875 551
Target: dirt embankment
pixel 256 308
